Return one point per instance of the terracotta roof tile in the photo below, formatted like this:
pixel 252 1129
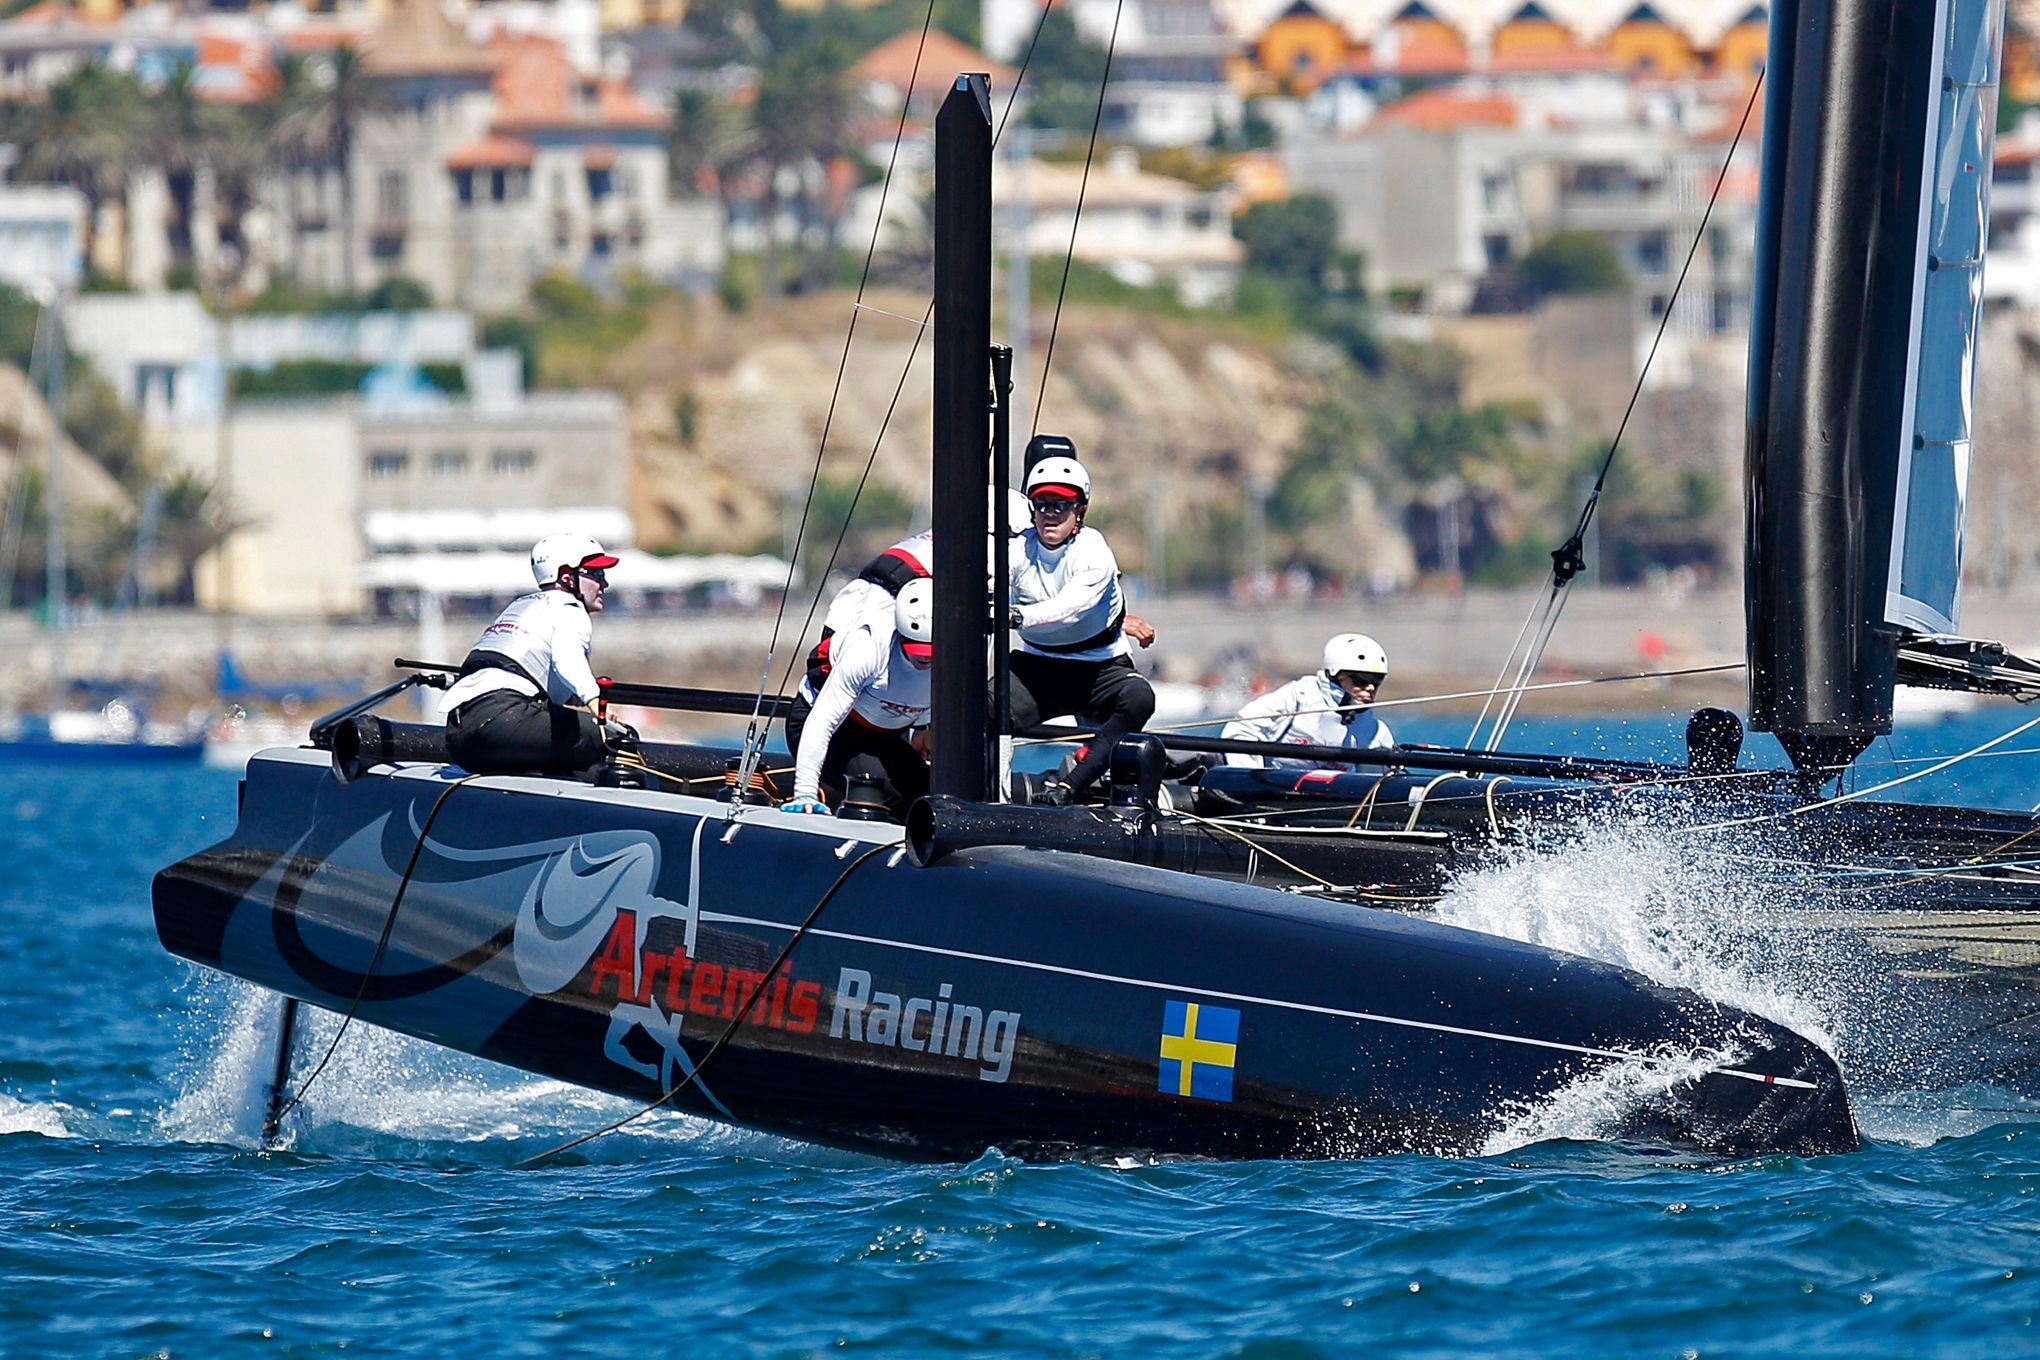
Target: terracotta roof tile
pixel 892 63
pixel 1438 110
pixel 489 153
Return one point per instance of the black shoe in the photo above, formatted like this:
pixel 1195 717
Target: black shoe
pixel 1053 793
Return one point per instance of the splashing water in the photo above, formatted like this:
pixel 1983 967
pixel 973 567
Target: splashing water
pixel 28 1116
pixel 1626 894
pixel 1600 1104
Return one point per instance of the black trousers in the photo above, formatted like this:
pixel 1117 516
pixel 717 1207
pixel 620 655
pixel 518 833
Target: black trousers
pixel 1109 696
pixel 894 751
pixel 504 732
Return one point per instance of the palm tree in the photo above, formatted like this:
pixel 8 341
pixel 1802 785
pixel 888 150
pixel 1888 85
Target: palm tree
pixel 83 132
pixel 806 116
pixel 171 139
pixel 322 105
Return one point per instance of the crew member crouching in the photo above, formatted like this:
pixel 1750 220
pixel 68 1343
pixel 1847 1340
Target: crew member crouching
pixel 875 693
pixel 1070 621
pixel 1329 708
pixel 525 695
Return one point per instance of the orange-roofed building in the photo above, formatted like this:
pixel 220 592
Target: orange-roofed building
pixel 1418 42
pixel 1528 32
pixel 887 68
pixel 1303 46
pixel 1740 52
pixel 1648 45
pixel 1443 108
pixel 490 164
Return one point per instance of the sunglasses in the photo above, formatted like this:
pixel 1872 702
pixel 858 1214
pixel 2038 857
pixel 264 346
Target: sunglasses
pixel 599 575
pixel 1055 507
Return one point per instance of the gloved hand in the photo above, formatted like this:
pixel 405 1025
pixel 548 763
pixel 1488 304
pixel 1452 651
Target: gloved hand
pixel 807 805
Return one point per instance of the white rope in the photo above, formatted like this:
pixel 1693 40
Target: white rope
pixel 1935 768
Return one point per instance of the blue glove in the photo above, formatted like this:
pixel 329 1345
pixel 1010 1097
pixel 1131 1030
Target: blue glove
pixel 803 805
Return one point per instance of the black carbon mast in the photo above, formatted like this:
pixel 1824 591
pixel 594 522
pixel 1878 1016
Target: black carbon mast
pixel 1878 128
pixel 964 762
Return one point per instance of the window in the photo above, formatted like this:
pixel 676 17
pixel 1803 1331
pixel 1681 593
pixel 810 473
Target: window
pixel 1496 248
pixel 391 198
pixel 627 182
pixel 499 185
pixel 1652 253
pixel 599 244
pixel 450 463
pixel 386 465
pixel 600 184
pixel 512 462
pixel 464 185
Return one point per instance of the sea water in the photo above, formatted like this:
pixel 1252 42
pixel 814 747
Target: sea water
pixel 138 1215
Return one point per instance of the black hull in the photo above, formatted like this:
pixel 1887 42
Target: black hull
pixel 1935 909
pixel 1030 1000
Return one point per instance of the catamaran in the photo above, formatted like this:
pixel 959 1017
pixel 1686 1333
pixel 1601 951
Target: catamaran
pixel 1052 982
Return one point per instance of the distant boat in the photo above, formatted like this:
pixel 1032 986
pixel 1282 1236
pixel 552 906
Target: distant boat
pixel 118 730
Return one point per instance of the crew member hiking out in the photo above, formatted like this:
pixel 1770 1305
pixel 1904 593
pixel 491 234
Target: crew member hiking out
pixel 871 595
pixel 875 694
pixel 1329 708
pixel 525 697
pixel 1070 621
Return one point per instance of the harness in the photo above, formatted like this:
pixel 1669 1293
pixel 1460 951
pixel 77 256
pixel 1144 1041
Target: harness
pixel 1104 637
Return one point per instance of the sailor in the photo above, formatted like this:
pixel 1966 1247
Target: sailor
pixel 526 693
pixel 1070 621
pixel 907 560
pixel 875 695
pixel 1329 708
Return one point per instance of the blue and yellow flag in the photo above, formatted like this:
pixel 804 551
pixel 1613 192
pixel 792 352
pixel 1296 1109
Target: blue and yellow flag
pixel 1199 1045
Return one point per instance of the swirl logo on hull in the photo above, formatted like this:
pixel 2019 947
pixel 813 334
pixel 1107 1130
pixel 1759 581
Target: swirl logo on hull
pixel 571 907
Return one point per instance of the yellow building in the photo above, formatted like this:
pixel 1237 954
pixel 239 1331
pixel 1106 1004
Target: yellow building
pixel 2020 78
pixel 1646 44
pixel 1529 32
pixel 1425 43
pixel 1302 46
pixel 1741 49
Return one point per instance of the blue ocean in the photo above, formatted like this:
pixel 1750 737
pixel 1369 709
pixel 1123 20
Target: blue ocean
pixel 140 1217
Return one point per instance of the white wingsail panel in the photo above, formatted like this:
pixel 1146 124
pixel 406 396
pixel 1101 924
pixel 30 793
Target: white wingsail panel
pixel 1925 584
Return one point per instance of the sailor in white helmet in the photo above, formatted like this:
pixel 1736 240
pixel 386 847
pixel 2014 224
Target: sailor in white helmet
pixel 876 694
pixel 1071 631
pixel 907 560
pixel 1329 708
pixel 526 693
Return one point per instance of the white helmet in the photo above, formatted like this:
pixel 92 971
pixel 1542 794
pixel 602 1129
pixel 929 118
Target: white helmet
pixel 914 617
pixel 1059 473
pixel 1355 652
pixel 554 551
pixel 1018 513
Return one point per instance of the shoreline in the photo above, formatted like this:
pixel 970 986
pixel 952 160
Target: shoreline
pixel 1437 644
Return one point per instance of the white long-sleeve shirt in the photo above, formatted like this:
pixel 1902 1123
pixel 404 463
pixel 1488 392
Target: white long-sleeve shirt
pixel 1066 595
pixel 870 681
pixel 1305 713
pixel 549 635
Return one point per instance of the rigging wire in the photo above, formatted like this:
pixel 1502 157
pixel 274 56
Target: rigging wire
pixel 1077 217
pixel 275 1121
pixel 1568 560
pixel 736 1021
pixel 756 733
pixel 759 731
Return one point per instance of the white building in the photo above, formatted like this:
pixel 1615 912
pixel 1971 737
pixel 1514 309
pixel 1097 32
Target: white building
pixel 1145 228
pixel 42 237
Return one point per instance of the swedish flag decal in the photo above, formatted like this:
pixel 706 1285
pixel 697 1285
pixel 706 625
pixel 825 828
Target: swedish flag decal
pixel 1199 1045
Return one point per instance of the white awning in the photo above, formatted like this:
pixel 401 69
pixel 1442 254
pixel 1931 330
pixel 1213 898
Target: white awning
pixel 508 574
pixel 507 530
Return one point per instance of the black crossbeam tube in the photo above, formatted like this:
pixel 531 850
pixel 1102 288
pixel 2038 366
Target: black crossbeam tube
pixel 678 698
pixel 1443 758
pixel 962 764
